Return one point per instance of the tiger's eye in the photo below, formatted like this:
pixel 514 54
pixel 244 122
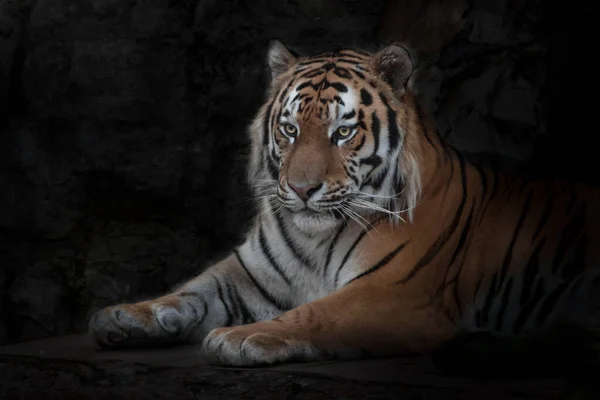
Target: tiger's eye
pixel 344 130
pixel 290 129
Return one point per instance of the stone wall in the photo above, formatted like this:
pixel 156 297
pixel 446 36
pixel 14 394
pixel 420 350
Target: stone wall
pixel 122 131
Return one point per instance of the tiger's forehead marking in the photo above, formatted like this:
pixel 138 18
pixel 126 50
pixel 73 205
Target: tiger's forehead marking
pixel 325 89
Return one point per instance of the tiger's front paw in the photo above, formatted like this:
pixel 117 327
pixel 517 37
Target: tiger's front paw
pixel 129 325
pixel 249 345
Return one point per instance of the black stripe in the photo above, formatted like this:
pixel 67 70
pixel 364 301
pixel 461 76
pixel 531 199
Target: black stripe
pixel 525 182
pixel 374 160
pixel 296 97
pixel 378 181
pixel 492 195
pixel 568 235
pixel 508 256
pixel 316 60
pixel 463 236
pixel 306 84
pixel 274 156
pixel 365 97
pixel 311 63
pixel 270 163
pixel 300 68
pixel 363 139
pixel 549 303
pixel 349 115
pixel 449 182
pixel 204 311
pixel 314 73
pixel 195 320
pixel 393 133
pixel 577 281
pixel 233 297
pixel 267 128
pixel 461 244
pixel 358 73
pixel 577 264
pixel 573 195
pixel 246 313
pixel 329 66
pixel 384 261
pixel 289 242
pixel 509 182
pixel 441 241
pixel 482 180
pixel 265 249
pixel 477 286
pixel 347 54
pixel 198 321
pixel 351 175
pixel 341 72
pixel 264 293
pixel 272 167
pixel 528 309
pixel 222 300
pixel 375 130
pixel 339 100
pixel 292 82
pixel 489 298
pixel 331 248
pixel 345 259
pixel 349 61
pixel 531 272
pixel 504 302
pixel 296 79
pixel 357 51
pixel 545 214
pixel 340 87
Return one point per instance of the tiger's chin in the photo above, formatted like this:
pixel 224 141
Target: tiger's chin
pixel 312 222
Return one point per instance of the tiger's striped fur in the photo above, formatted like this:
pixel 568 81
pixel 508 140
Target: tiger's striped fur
pixel 373 236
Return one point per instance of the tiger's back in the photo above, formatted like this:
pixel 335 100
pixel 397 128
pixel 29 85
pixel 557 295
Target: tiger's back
pixel 537 241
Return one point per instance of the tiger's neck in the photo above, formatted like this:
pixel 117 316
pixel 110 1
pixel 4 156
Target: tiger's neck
pixel 437 160
pixel 442 169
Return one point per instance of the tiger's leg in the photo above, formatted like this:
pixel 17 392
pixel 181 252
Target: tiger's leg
pixel 229 293
pixel 351 322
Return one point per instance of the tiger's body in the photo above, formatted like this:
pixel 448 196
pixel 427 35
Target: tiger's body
pixel 373 236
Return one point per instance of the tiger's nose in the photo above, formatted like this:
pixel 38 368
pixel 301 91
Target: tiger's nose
pixel 305 190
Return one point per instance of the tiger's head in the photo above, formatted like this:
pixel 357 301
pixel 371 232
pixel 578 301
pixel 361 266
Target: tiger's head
pixel 331 143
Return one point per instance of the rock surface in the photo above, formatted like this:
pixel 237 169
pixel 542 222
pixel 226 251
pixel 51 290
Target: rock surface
pixel 69 368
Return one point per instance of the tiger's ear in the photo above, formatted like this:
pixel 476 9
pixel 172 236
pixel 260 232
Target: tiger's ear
pixel 280 58
pixel 394 65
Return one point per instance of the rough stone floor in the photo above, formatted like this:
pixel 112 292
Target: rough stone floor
pixel 69 367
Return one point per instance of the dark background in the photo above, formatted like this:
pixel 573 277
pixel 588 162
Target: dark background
pixel 122 125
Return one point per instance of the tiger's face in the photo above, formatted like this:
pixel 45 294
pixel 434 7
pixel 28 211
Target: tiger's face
pixel 330 136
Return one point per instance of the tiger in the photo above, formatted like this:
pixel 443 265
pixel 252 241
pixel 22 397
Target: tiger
pixel 373 236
